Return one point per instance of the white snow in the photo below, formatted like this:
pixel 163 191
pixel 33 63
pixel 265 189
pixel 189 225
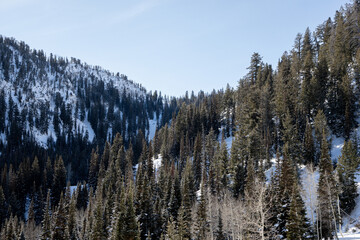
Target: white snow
pixel 73 189
pixel 270 172
pixel 350 236
pixel 337 145
pixel 157 162
pixel 229 141
pixel 152 127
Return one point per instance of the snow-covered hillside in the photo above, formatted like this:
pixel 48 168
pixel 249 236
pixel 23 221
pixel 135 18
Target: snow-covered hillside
pixel 48 90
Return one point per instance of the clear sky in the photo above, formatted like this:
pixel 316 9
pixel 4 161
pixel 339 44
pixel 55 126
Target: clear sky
pixel 166 45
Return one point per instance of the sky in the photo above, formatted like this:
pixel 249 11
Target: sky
pixel 170 46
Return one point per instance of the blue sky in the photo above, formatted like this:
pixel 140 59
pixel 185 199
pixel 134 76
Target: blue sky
pixel 166 45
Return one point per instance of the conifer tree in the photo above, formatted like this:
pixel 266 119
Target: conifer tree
pixel 308 145
pixel 327 194
pixel 197 166
pixel 202 225
pixel 347 166
pixel 185 213
pixel 320 126
pixel 59 221
pixel 98 230
pixel 286 181
pixel 46 223
pixel 71 220
pixel 59 183
pixel 131 226
pixel 93 169
pixel 224 163
pixel 297 225
pixel 3 207
pixel 171 232
pixel 219 233
pixel 175 199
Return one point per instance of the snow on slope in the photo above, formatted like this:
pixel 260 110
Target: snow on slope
pixel 43 82
pixel 152 127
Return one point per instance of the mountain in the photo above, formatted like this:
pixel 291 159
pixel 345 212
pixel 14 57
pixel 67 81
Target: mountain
pixel 61 104
pixel 86 154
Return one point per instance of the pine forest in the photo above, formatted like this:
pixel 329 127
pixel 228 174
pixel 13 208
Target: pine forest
pixel 89 154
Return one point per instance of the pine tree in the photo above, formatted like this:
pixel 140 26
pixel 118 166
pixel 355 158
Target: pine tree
pixel 131 226
pixel 59 222
pixel 202 225
pixel 71 220
pixel 197 166
pixel 93 169
pixel 297 225
pixel 320 126
pixel 224 163
pixel 347 166
pixel 98 230
pixel 219 233
pixel 3 207
pixel 175 199
pixel 250 179
pixel 171 232
pixel 185 213
pixel 286 181
pixel 308 145
pixel 327 194
pixel 59 182
pixel 46 223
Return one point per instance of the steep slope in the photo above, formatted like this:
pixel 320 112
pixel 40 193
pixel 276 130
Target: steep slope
pixel 51 96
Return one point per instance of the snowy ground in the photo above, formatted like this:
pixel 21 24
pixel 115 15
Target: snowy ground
pixel 152 127
pixel 349 236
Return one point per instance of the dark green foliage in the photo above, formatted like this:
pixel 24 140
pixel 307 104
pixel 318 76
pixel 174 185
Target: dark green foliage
pixel 219 233
pixel 308 145
pixel 201 225
pixel 297 224
pixel 46 223
pixel 59 182
pixel 315 85
pixel 347 166
pixel 197 166
pixel 327 193
pixel 58 227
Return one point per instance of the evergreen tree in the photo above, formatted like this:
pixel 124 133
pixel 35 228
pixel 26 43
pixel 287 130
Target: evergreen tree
pixel 185 213
pixel 219 233
pixel 131 227
pixel 58 231
pixel 71 225
pixel 3 207
pixel 224 163
pixel 171 232
pixel 98 230
pixel 297 225
pixel 59 182
pixel 327 194
pixel 197 166
pixel 93 169
pixel 202 225
pixel 308 145
pixel 347 166
pixel 286 182
pixel 46 223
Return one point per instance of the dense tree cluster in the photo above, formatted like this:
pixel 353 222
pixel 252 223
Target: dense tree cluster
pixel 204 188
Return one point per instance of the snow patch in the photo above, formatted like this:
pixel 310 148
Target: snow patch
pixel 152 128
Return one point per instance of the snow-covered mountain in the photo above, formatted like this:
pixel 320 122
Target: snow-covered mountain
pixel 43 97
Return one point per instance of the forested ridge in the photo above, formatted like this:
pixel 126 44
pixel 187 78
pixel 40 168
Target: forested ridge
pixel 80 158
